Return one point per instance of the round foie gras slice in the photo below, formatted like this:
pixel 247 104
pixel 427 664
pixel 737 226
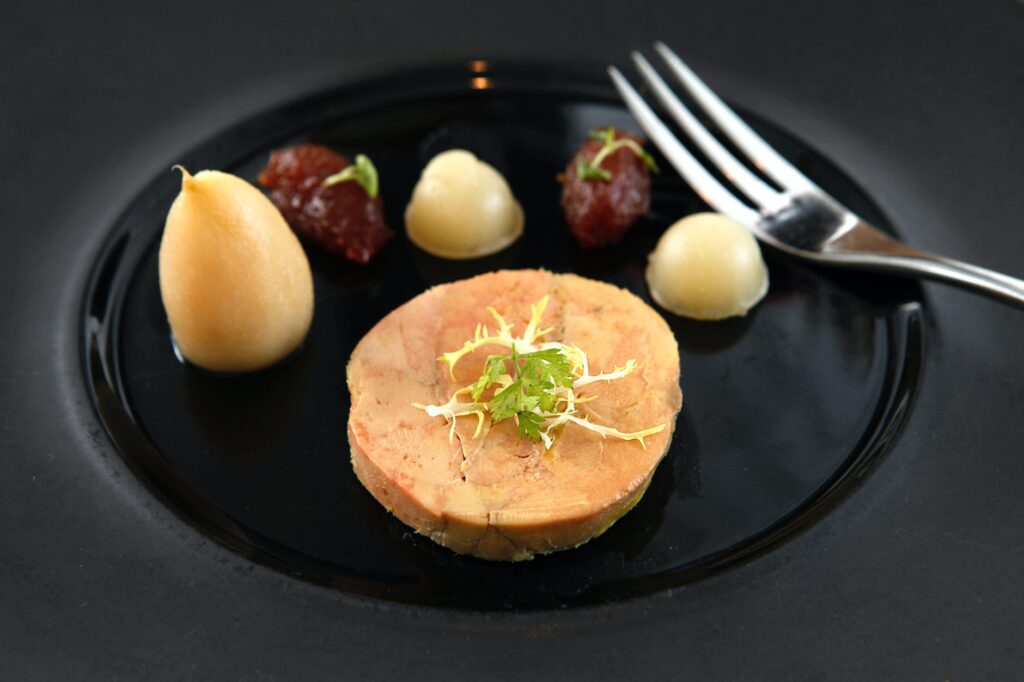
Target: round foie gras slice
pixel 495 495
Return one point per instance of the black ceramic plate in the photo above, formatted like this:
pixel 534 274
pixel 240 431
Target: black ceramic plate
pixel 784 409
pixel 909 570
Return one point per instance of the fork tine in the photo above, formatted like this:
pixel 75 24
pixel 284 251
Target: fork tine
pixel 764 156
pixel 765 196
pixel 709 189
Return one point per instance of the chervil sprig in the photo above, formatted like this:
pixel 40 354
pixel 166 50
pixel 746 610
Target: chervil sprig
pixel 591 170
pixel 531 393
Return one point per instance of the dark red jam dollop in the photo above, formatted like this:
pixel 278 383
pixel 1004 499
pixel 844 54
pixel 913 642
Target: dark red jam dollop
pixel 342 218
pixel 600 211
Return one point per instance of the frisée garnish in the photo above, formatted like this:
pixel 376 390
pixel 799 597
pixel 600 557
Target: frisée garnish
pixel 537 383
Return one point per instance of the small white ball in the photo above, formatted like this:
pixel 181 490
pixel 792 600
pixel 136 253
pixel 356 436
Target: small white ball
pixel 462 208
pixel 708 267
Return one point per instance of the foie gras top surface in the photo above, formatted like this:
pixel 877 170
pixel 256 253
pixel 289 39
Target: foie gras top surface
pixel 500 496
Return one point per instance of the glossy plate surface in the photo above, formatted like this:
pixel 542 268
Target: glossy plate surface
pixel 783 411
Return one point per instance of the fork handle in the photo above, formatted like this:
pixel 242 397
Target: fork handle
pixel 866 247
pixel 993 284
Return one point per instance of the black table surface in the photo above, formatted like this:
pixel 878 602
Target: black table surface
pixel 916 575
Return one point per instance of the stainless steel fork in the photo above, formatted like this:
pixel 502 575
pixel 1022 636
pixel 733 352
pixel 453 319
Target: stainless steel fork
pixel 801 219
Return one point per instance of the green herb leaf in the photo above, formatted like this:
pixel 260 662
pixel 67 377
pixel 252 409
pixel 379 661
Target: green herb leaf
pixel 362 171
pixel 606 135
pixel 529 425
pixel 534 376
pixel 505 403
pixel 494 367
pixel 588 171
pixel 550 365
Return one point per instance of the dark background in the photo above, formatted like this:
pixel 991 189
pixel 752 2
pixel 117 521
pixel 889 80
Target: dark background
pixel 915 576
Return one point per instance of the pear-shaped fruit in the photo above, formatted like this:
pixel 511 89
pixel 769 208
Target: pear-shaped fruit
pixel 234 279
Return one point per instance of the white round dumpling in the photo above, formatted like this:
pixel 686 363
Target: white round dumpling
pixel 462 208
pixel 708 267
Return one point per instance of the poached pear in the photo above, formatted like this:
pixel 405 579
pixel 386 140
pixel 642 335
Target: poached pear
pixel 708 267
pixel 234 279
pixel 462 208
